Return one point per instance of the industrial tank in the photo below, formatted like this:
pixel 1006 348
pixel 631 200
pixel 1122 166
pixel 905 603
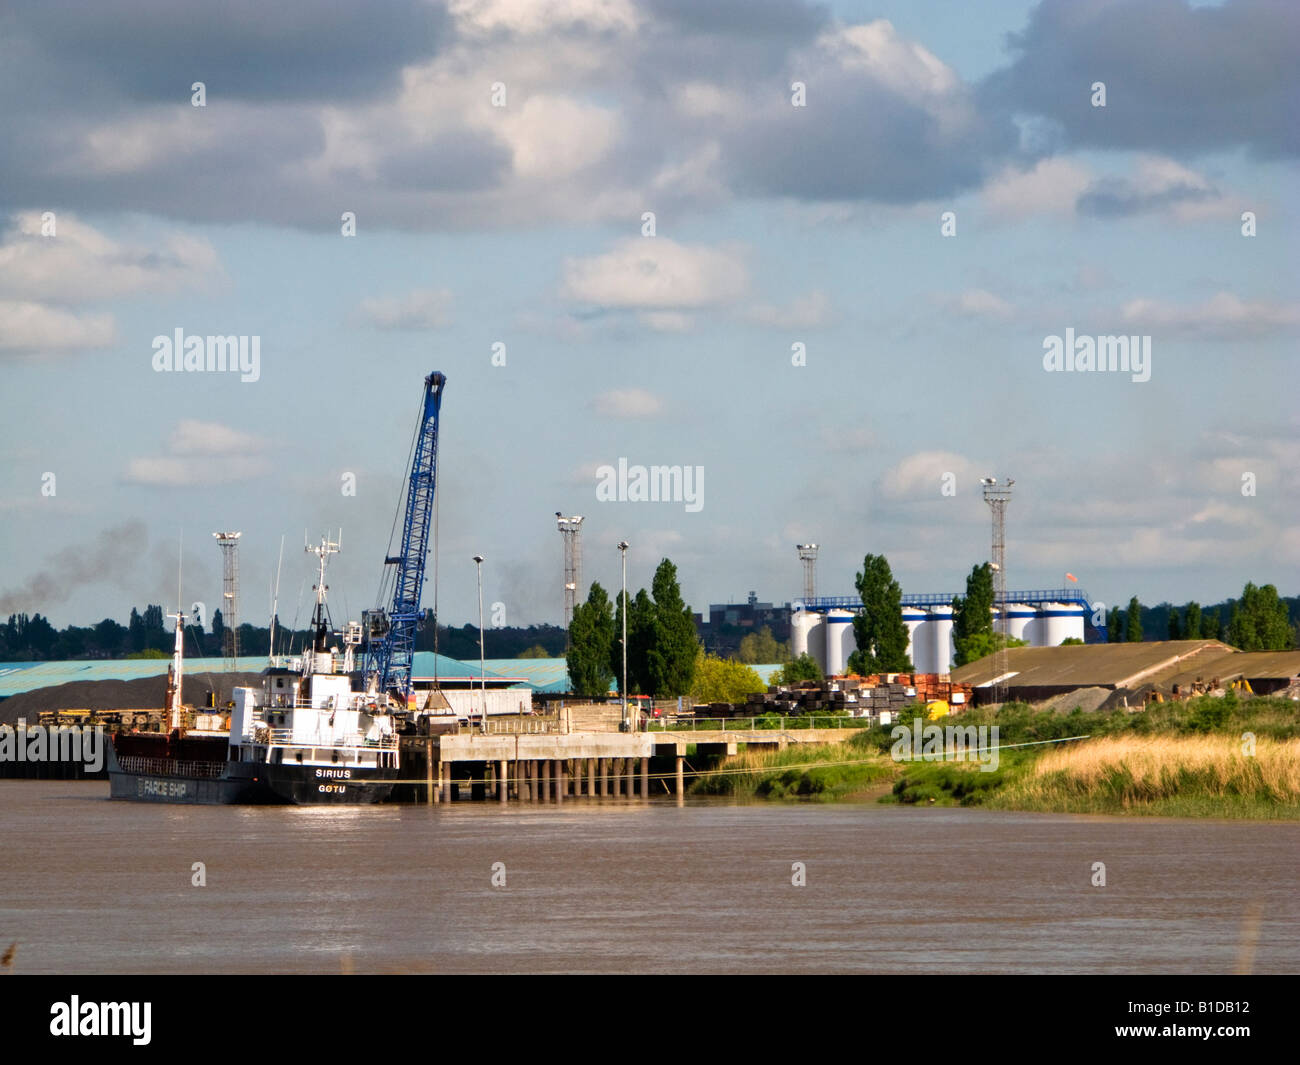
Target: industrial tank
pixel 1061 621
pixel 808 636
pixel 1021 620
pixel 840 642
pixel 915 619
pixel 941 648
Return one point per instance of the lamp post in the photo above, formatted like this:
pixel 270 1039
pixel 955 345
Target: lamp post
pixel 622 547
pixel 482 671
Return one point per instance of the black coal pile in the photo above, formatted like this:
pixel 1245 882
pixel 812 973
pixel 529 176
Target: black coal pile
pixel 147 693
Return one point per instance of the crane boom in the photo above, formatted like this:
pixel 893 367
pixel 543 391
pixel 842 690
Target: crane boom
pixel 391 647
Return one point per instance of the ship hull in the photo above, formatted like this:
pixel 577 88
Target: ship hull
pixel 246 783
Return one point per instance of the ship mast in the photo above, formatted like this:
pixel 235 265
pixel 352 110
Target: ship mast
pixel 174 676
pixel 322 551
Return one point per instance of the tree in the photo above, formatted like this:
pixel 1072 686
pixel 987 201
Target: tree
pixel 761 648
pixel 722 680
pixel 1072 641
pixel 136 629
pixel 673 650
pixel 591 632
pixel 804 667
pixel 1192 621
pixel 1115 625
pixel 1175 629
pixel 1210 627
pixel 879 629
pixel 973 615
pixel 538 651
pixel 983 644
pixel 218 631
pixel 109 636
pixel 640 634
pixel 1133 622
pixel 1260 621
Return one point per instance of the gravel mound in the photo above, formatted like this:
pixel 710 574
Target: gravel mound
pixel 147 693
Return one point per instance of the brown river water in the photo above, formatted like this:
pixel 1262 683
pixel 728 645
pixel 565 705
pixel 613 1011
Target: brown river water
pixel 93 886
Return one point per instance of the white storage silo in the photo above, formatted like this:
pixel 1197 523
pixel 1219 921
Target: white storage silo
pixel 839 640
pixel 1021 622
pixel 808 636
pixel 1061 621
pixel 915 619
pixel 941 644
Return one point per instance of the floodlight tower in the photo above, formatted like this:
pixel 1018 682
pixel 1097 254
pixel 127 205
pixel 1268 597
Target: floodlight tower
pixel 997 496
pixel 571 529
pixel 808 556
pixel 229 542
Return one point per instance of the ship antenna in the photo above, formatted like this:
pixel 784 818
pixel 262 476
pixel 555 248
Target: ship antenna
pixel 275 602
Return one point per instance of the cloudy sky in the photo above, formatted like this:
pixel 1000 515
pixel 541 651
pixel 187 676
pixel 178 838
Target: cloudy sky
pixel 798 325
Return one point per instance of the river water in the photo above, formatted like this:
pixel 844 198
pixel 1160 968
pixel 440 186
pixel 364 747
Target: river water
pixel 92 886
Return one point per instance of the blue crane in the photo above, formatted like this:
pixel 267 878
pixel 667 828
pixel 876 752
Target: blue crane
pixel 391 636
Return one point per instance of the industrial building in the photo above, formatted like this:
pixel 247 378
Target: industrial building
pixel 726 624
pixel 1170 667
pixel 823 627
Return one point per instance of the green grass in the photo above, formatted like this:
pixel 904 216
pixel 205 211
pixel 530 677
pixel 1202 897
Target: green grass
pixel 813 772
pixel 1173 759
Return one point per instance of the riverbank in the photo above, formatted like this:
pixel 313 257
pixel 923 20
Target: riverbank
pixel 1209 757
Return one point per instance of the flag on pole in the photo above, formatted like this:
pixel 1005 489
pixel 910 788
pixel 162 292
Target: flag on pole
pixel 1072 577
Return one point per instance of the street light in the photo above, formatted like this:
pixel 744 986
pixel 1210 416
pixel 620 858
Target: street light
pixel 482 671
pixel 622 547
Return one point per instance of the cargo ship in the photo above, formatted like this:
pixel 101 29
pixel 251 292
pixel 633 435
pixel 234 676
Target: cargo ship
pixel 306 736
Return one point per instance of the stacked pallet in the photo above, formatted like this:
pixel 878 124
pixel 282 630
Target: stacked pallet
pixel 860 696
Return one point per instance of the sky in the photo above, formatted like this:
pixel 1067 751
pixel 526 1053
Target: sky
pixel 815 254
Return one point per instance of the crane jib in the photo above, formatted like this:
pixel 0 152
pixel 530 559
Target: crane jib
pixel 389 660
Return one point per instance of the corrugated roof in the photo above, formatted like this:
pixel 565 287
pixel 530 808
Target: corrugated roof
pixel 1104 665
pixel 1120 665
pixel 18 677
pixel 427 665
pixel 544 675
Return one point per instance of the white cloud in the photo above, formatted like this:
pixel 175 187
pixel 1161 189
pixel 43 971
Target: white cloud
pixel 628 403
pixel 920 476
pixel 656 273
pixel 421 309
pixel 525 17
pixel 81 265
pixel 1224 316
pixel 980 303
pixel 804 312
pixel 32 327
pixel 193 437
pixel 554 137
pixel 666 321
pixel 201 453
pixel 167 472
pixel 876 49
pixel 1053 186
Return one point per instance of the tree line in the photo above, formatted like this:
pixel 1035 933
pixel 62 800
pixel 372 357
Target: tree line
pixel 32 638
pixel 1260 620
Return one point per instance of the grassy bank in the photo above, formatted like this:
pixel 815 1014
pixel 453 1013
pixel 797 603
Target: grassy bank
pixel 817 772
pixel 1205 776
pixel 1186 759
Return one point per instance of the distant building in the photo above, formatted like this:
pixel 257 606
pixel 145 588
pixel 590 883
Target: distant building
pixel 729 623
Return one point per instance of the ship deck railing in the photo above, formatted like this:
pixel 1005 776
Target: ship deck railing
pixel 169 767
pixel 283 737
